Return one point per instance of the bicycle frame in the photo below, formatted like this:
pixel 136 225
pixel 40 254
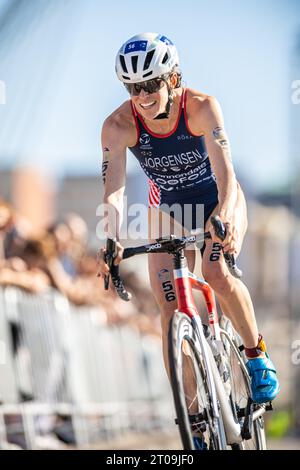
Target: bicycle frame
pixel 185 282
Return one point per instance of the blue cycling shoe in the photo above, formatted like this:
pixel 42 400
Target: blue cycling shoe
pixel 264 383
pixel 199 443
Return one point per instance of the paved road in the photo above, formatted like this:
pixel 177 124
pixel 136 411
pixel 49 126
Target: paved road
pixel 151 441
pixel 161 441
pixel 284 444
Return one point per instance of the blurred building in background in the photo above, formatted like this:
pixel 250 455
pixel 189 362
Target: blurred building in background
pixel 42 199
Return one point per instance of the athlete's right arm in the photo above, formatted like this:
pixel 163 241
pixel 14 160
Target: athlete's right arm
pixel 114 142
pixel 114 145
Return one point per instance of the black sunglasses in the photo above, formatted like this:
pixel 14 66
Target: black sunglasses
pixel 150 86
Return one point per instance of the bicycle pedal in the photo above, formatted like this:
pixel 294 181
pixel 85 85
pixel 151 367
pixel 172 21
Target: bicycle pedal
pixel 199 427
pixel 198 417
pixel 269 406
pixel 198 421
pixel 241 413
pixel 247 427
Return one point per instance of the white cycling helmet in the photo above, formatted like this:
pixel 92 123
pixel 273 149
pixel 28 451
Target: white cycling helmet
pixel 145 56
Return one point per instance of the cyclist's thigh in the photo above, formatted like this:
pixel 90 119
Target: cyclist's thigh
pixel 161 265
pixel 240 213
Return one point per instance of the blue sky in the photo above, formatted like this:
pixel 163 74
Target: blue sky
pixel 58 67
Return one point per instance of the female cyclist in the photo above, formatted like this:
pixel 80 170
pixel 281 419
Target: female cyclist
pixel 178 136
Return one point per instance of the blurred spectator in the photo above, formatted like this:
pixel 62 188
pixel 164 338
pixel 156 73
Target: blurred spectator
pixel 60 258
pixel 63 239
pixel 71 239
pixel 79 235
pixel 6 222
pixel 26 271
pixel 13 271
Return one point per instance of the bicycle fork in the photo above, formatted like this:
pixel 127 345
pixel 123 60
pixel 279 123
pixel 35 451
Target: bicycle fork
pixel 186 305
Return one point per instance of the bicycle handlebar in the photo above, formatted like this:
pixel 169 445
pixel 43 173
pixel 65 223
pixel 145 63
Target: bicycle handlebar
pixel 163 245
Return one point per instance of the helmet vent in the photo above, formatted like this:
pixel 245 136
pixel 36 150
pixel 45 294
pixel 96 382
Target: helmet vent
pixel 134 61
pixel 166 56
pixel 148 59
pixel 147 74
pixel 122 60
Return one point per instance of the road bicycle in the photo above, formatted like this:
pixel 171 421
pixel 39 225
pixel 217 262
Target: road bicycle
pixel 208 375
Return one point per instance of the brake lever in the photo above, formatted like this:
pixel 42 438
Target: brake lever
pixel 110 254
pixel 109 259
pixel 220 231
pixel 118 284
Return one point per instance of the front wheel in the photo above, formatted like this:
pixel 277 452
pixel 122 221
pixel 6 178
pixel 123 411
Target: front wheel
pixel 190 387
pixel 240 390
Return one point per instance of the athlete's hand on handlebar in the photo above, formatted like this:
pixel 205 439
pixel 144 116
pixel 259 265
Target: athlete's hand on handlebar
pixel 220 231
pixel 230 242
pixel 109 259
pixel 104 269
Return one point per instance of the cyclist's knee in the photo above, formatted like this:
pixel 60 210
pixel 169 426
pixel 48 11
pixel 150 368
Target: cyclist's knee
pixel 218 278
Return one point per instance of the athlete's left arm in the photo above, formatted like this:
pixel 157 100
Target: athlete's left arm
pixel 217 143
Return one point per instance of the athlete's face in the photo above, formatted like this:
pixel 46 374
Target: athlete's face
pixel 150 105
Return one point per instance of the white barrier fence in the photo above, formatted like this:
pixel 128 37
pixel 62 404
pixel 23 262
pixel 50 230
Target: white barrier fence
pixel 57 359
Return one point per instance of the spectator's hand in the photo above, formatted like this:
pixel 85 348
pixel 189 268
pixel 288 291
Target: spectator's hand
pixel 32 281
pixel 6 216
pixel 17 264
pixel 3 263
pixel 80 292
pixel 40 282
pixel 6 276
